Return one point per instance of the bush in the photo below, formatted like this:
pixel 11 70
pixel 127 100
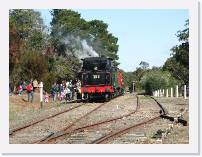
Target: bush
pixel 49 79
pixel 33 65
pixel 154 80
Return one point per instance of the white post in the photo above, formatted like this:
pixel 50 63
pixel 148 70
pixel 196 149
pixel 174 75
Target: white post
pixel 133 86
pixel 167 93
pixel 160 93
pixel 176 91
pixel 41 93
pixel 157 93
pixel 185 92
pixel 171 92
pixel 163 92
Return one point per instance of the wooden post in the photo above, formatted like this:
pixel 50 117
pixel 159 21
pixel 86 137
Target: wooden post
pixel 171 92
pixel 167 93
pixel 176 91
pixel 185 92
pixel 41 94
pixel 155 93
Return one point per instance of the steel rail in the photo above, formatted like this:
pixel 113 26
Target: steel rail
pixel 125 130
pixel 64 132
pixel 122 131
pixel 12 131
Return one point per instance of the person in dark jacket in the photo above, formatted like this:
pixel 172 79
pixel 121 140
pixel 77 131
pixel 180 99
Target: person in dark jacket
pixel 54 91
pixel 30 91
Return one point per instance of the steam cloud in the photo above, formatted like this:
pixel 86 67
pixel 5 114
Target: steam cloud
pixel 78 47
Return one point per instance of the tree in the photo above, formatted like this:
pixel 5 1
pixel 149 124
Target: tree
pixel 25 36
pixel 178 63
pixel 154 80
pixel 70 31
pixel 144 65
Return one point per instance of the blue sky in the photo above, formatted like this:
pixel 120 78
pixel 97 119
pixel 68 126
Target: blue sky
pixel 144 35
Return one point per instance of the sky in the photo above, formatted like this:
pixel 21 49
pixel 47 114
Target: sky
pixel 143 35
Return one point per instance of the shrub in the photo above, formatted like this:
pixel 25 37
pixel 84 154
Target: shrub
pixel 154 80
pixel 48 80
pixel 33 65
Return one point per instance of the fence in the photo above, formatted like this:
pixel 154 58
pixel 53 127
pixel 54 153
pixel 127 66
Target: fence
pixel 173 92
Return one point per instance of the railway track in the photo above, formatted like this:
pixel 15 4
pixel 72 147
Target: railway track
pixel 162 114
pixel 64 131
pixel 54 136
pixel 74 127
pixel 15 130
pixel 67 131
pixel 123 131
pixel 127 129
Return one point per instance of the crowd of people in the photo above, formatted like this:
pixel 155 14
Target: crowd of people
pixel 64 90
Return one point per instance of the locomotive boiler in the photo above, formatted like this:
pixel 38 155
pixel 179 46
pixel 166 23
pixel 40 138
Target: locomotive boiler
pixel 100 79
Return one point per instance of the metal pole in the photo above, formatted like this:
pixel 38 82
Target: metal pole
pixel 41 94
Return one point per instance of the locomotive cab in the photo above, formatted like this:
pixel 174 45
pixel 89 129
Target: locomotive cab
pixel 96 63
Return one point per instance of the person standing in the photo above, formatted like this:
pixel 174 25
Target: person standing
pixel 30 92
pixel 19 89
pixel 78 87
pixel 54 91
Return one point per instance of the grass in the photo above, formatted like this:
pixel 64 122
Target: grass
pixel 19 112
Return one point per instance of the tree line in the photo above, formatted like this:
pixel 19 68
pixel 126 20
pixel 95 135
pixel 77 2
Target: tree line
pixel 51 54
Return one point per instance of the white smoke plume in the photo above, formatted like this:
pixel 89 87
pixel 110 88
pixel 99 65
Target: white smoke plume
pixel 88 49
pixel 78 47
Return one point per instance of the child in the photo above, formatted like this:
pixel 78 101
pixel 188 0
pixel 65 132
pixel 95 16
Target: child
pixel 62 95
pixel 19 90
pixel 46 97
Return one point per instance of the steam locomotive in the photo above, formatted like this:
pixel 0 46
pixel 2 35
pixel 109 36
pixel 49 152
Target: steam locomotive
pixel 100 79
